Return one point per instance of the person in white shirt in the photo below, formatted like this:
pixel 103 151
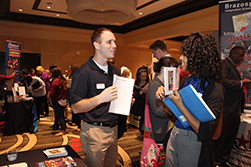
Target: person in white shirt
pixel 36 88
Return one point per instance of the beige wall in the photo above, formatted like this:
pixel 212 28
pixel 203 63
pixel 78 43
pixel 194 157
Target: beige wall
pixel 60 45
pixel 65 46
pixel 63 53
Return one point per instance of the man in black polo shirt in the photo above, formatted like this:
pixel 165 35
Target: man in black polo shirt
pixel 91 94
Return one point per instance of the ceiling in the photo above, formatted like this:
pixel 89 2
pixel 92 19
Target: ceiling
pixel 153 11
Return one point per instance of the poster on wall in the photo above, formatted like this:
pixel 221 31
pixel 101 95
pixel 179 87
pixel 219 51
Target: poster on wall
pixel 235 30
pixel 12 59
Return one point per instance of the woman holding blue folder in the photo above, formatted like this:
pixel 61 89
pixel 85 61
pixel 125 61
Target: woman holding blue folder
pixel 193 145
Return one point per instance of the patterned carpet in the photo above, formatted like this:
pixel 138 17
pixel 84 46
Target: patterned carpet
pixel 128 145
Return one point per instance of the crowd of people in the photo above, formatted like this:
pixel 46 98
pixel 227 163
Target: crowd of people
pixel 90 91
pixel 48 88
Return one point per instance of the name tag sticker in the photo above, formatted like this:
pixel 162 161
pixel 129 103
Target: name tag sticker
pixel 100 86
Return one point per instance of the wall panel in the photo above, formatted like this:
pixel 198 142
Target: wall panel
pixel 47 46
pixel 47 59
pixel 62 61
pixel 62 47
pixel 31 45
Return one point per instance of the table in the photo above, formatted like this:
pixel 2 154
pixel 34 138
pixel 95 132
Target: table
pixel 33 156
pixel 20 117
pixel 241 153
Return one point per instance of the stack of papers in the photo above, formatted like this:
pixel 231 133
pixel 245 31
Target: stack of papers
pixel 24 98
pixel 122 104
pixel 22 164
pixel 55 152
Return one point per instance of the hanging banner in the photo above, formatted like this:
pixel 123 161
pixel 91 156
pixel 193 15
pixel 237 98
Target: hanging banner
pixel 235 30
pixel 12 59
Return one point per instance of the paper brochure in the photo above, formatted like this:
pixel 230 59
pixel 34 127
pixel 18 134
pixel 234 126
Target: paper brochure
pixel 55 152
pixel 122 104
pixel 171 79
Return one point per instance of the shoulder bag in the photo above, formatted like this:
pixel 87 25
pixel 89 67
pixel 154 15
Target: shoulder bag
pixel 150 149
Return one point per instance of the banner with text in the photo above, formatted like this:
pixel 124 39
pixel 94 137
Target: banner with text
pixel 235 30
pixel 12 59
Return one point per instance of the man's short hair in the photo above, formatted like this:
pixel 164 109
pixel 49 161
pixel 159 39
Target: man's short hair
pixel 236 49
pixel 97 33
pixel 158 45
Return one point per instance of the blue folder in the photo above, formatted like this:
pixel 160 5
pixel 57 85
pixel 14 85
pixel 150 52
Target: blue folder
pixel 194 103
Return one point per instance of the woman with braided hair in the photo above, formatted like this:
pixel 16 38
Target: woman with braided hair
pixel 193 145
pixel 139 94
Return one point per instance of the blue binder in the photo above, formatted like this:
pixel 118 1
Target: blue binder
pixel 194 103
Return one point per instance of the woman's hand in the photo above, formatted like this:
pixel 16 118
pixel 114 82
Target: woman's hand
pixel 160 93
pixel 175 97
pixel 193 122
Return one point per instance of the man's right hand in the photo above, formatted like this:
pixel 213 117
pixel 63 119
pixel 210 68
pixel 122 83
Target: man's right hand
pixel 86 105
pixel 109 94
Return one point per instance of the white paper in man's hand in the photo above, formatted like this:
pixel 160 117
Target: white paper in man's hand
pixel 122 104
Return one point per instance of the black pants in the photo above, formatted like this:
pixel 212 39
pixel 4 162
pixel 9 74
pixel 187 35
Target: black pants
pixel 40 104
pixel 46 107
pixel 59 114
pixel 224 144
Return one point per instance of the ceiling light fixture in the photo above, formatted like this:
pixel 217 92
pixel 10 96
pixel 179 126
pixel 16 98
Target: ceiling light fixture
pixel 106 12
pixel 20 9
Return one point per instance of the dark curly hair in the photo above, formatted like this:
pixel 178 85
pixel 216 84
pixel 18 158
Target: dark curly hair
pixel 204 61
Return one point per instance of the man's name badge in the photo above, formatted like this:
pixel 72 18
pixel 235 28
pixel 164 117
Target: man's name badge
pixel 100 86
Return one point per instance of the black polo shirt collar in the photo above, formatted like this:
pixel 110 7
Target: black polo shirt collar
pixel 94 66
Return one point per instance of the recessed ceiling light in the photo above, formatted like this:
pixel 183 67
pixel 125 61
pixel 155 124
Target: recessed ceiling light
pixel 57 15
pixel 49 4
pixel 20 10
pixel 140 13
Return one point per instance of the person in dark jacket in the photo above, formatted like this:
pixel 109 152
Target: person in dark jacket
pixel 234 102
pixel 139 94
